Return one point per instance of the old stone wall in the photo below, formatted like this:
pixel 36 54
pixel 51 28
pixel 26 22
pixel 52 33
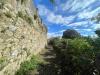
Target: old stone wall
pixel 22 34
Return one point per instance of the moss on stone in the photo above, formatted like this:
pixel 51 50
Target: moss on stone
pixel 2 63
pixel 2 2
pixel 8 14
pixel 25 17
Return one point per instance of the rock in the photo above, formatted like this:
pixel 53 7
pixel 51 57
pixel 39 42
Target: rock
pixel 20 36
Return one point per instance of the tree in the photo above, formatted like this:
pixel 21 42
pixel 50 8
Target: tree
pixel 97 18
pixel 70 34
pixel 74 57
pixel 98 32
pixel 52 1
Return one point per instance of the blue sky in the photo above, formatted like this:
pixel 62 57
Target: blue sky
pixel 66 14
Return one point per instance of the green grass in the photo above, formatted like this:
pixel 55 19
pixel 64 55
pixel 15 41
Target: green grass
pixel 2 63
pixel 26 66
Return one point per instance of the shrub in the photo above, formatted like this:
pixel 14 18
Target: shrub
pixel 20 14
pixel 26 66
pixel 28 19
pixel 2 63
pixel 35 16
pixel 8 14
pixel 74 57
pixel 25 17
pixel 2 2
pixel 53 40
pixel 22 1
pixel 98 32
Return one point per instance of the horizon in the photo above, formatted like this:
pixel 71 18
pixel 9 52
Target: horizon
pixel 69 14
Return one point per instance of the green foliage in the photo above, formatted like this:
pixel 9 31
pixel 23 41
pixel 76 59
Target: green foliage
pixel 26 66
pixel 8 14
pixel 74 56
pixel 98 32
pixel 2 63
pixel 52 41
pixel 77 56
pixel 28 19
pixel 96 42
pixel 52 1
pixel 80 44
pixel 2 2
pixel 2 60
pixel 20 14
pixel 97 45
pixel 25 17
pixel 35 16
pixel 22 1
pixel 96 18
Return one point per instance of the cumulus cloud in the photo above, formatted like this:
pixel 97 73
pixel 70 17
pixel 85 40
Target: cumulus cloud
pixel 54 34
pixel 54 18
pixel 59 19
pixel 88 13
pixel 77 24
pixel 95 26
pixel 84 29
pixel 79 14
pixel 76 5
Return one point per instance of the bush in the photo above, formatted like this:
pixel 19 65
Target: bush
pixel 22 1
pixel 2 63
pixel 53 40
pixel 98 32
pixel 25 17
pixel 26 66
pixel 2 3
pixel 74 57
pixel 8 14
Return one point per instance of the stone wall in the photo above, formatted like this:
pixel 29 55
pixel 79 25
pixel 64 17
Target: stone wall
pixel 22 34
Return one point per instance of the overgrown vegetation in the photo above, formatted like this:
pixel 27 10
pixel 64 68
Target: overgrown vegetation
pixel 8 14
pixel 2 2
pixel 29 65
pixel 77 56
pixel 22 1
pixel 96 18
pixel 25 17
pixel 35 16
pixel 2 63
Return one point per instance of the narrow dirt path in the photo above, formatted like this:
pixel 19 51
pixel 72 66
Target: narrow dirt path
pixel 48 67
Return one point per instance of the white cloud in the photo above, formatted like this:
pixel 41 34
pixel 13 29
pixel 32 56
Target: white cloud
pixel 89 13
pixel 59 19
pixel 87 30
pixel 76 5
pixel 54 18
pixel 43 11
pixel 54 34
pixel 76 24
pixel 95 26
pixel 67 5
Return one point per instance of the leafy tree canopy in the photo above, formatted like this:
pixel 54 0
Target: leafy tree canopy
pixel 70 34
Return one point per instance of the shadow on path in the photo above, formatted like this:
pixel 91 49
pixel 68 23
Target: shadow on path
pixel 48 67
